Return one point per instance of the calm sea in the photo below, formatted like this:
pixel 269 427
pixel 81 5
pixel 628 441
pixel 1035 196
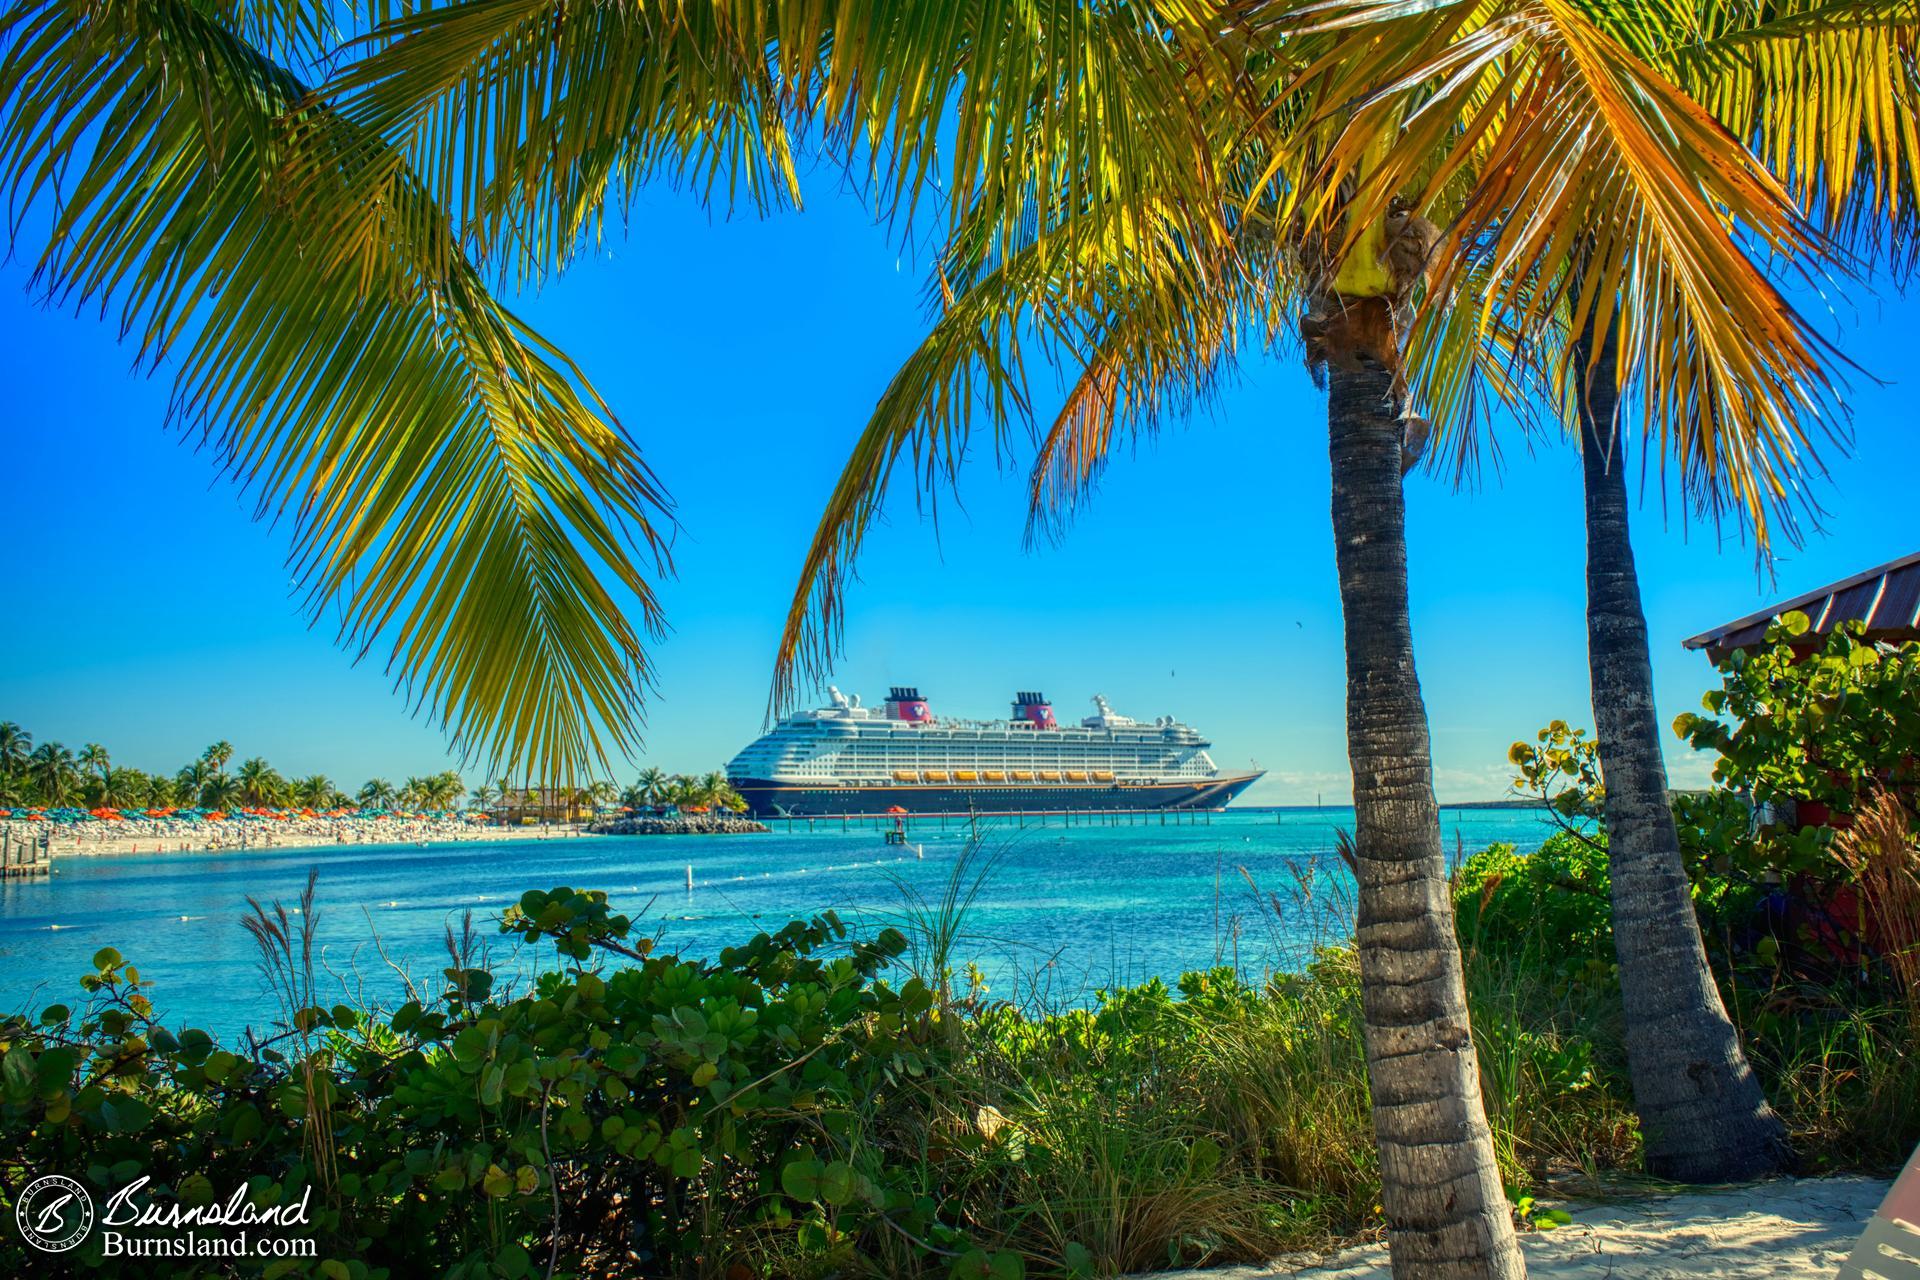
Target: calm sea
pixel 1058 910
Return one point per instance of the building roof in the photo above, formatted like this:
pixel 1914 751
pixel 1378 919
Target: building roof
pixel 1887 599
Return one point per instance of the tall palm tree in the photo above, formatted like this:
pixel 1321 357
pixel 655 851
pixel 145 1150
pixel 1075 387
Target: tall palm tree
pixel 483 797
pixel 95 760
pixel 217 756
pixel 601 794
pixel 435 449
pixel 315 791
pixel 55 779
pixel 125 789
pixel 162 792
pixel 650 785
pixel 260 783
pixel 16 744
pixel 222 791
pixel 190 783
pixel 378 793
pixel 1769 73
pixel 1554 138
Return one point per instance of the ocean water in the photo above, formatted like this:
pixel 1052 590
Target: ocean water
pixel 1056 910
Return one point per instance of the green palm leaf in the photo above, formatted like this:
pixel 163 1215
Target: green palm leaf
pixel 456 491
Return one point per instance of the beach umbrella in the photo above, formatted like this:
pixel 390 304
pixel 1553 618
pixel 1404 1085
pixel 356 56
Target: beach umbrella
pixel 894 808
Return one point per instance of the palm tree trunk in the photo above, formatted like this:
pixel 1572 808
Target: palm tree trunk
pixel 1703 1117
pixel 1446 1214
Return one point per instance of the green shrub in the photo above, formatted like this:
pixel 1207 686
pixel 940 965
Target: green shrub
pixel 678 1115
pixel 1816 728
pixel 1550 907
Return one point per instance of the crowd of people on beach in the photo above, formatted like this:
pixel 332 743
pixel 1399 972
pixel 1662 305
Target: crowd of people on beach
pixel 163 832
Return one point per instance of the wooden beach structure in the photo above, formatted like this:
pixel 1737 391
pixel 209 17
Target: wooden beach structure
pixel 24 857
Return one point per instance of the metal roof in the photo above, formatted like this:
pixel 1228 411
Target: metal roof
pixel 1887 599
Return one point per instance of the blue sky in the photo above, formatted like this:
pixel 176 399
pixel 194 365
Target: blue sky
pixel 148 611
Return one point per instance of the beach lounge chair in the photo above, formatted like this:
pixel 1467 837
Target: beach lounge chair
pixel 1889 1249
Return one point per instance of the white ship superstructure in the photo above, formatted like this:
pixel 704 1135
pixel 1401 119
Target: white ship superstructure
pixel 848 758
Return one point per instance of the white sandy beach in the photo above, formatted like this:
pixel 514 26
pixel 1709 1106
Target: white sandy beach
pixel 1792 1229
pixel 171 835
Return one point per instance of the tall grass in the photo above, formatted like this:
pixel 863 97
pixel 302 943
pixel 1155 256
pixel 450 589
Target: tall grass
pixel 1226 1118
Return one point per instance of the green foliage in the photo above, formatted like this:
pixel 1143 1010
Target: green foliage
pixel 1562 767
pixel 666 1105
pixel 784 1110
pixel 1550 907
pixel 1818 728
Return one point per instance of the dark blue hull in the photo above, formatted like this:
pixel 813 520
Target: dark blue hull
pixel 786 800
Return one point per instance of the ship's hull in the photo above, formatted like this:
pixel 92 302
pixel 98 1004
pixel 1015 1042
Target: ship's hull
pixel 800 800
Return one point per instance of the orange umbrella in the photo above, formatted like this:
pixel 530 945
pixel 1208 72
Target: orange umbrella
pixel 894 808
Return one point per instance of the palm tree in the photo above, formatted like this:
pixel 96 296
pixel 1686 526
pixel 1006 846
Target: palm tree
pixel 162 791
pixel 217 756
pixel 1621 179
pixel 443 790
pixel 222 791
pixel 716 792
pixel 54 777
pixel 16 744
pixel 1769 74
pixel 315 791
pixel 518 539
pixel 125 789
pixel 378 793
pixel 483 797
pixel 601 794
pixel 652 782
pixel 190 783
pixel 94 760
pixel 260 783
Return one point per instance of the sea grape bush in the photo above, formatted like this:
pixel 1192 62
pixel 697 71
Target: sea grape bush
pixel 666 1116
pixel 1813 731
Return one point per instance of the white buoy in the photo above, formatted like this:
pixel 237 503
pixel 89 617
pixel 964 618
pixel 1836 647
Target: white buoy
pixel 689 877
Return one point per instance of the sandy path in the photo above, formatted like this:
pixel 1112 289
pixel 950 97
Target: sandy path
pixel 1774 1230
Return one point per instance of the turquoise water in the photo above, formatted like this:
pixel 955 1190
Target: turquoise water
pixel 1061 910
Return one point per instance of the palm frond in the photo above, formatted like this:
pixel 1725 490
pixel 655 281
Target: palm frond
pixel 1602 196
pixel 1163 335
pixel 1827 95
pixel 532 119
pixel 457 492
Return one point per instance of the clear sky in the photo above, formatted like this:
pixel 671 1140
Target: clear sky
pixel 149 612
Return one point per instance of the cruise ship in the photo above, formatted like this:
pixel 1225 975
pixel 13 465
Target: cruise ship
pixel 846 759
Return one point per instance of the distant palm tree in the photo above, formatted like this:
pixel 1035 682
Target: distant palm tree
pixel 482 798
pixel 652 786
pixel 315 791
pixel 444 789
pixel 51 769
pixel 260 784
pixel 378 793
pixel 716 792
pixel 16 744
pixel 222 791
pixel 601 795
pixel 124 788
pixel 94 760
pixel 414 793
pixel 190 784
pixel 162 791
pixel 680 792
pixel 217 756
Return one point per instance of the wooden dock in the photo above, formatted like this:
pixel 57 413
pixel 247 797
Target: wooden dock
pixel 23 857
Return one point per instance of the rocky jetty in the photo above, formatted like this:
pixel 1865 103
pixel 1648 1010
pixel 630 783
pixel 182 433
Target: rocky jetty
pixel 692 824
